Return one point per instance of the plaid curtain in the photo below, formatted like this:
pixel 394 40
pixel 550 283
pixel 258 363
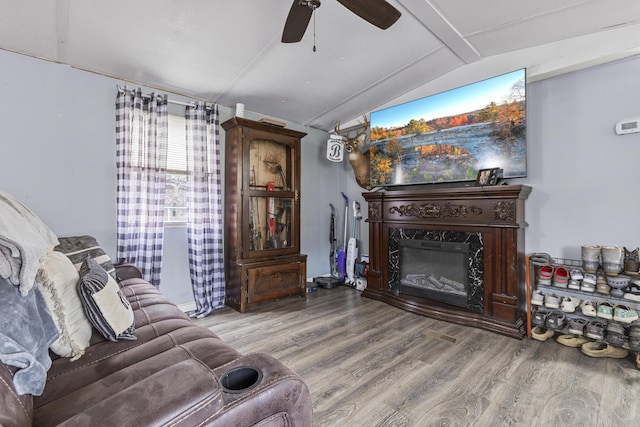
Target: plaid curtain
pixel 141 161
pixel 204 205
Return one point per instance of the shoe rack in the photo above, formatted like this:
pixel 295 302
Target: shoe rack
pixel 533 265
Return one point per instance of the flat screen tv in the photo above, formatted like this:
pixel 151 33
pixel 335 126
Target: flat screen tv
pixel 450 136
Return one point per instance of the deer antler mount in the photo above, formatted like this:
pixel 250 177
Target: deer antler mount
pixel 359 160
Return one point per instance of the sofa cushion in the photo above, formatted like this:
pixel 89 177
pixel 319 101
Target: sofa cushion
pixel 106 307
pixel 57 280
pixel 77 248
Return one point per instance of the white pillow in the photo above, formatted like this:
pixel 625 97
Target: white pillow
pixel 57 279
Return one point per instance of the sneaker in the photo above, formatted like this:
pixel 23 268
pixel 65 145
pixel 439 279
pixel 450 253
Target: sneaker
pixel 577 325
pixel 615 334
pixel 590 278
pixel 595 330
pixel 587 287
pixel 539 318
pixel 601 349
pixel 541 333
pixel 571 341
pixel 632 293
pixel 588 309
pixel 537 298
pixel 574 284
pixel 577 274
pixel 556 320
pixel 569 304
pixel 605 310
pixel 602 286
pixel 551 301
pixel 624 314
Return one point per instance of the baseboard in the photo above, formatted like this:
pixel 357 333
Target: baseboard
pixel 188 306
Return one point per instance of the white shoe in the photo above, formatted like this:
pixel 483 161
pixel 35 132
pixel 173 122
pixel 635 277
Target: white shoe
pixel 588 309
pixel 551 301
pixel 537 298
pixel 569 304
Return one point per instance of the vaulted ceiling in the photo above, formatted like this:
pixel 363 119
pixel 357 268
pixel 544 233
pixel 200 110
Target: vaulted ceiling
pixel 229 51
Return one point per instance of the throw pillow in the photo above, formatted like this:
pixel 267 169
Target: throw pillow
pixel 77 248
pixel 57 279
pixel 104 303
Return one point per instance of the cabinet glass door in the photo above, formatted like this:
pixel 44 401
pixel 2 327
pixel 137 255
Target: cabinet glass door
pixel 270 223
pixel 269 165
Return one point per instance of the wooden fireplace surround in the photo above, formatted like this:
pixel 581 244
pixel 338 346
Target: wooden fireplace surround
pixel 497 212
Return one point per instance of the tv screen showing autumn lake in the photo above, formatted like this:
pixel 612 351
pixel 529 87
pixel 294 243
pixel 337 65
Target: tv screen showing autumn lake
pixel 452 135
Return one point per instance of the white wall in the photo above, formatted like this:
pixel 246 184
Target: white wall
pixel 57 155
pixel 584 176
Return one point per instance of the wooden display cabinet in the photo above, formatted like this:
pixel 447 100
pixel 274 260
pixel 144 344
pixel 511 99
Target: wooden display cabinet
pixel 262 214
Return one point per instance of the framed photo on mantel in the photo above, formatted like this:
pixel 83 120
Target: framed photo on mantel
pixel 488 176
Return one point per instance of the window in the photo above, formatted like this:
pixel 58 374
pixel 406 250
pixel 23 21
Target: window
pixel 176 187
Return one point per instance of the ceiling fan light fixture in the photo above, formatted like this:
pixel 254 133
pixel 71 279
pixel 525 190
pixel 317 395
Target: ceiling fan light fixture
pixel 377 12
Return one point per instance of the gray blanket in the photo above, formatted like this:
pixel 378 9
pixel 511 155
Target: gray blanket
pixel 24 239
pixel 26 332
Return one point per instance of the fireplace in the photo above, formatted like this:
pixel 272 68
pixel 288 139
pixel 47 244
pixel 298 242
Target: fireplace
pixel 434 270
pixel 468 240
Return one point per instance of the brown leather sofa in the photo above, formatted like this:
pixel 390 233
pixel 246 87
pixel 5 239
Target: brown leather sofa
pixel 175 373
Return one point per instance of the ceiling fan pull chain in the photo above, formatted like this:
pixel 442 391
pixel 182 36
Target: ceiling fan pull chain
pixel 314 32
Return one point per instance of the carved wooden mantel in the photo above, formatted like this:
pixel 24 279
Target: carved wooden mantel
pixel 496 212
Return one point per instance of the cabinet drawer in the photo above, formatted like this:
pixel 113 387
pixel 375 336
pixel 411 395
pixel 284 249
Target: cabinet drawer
pixel 267 283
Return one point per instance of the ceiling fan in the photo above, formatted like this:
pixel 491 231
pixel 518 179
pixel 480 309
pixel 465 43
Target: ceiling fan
pixel 377 12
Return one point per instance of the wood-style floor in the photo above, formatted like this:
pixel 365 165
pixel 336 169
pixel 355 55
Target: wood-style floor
pixel 369 364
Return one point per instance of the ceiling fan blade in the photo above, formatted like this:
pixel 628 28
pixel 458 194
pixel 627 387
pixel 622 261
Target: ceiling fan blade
pixel 377 12
pixel 297 22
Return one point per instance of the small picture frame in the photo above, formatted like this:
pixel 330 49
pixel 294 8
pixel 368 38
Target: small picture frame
pixel 488 176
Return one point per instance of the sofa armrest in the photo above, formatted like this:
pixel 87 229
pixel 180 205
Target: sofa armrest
pixel 280 396
pixel 127 271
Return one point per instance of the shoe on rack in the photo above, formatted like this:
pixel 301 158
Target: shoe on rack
pixel 541 333
pixel 587 287
pixel 569 304
pixel 577 274
pixel 537 298
pixel 595 330
pixel 574 284
pixel 576 325
pixel 624 314
pixel 556 320
pixel 571 340
pixel 539 318
pixel 588 309
pixel 552 301
pixel 602 286
pixel 545 274
pixel 590 278
pixel 616 340
pixel 633 292
pixel 560 277
pixel 615 334
pixel 602 349
pixel 605 310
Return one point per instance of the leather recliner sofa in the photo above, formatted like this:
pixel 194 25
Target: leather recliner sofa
pixel 174 373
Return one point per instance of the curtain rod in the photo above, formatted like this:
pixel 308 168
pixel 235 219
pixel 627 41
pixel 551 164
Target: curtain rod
pixel 171 101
